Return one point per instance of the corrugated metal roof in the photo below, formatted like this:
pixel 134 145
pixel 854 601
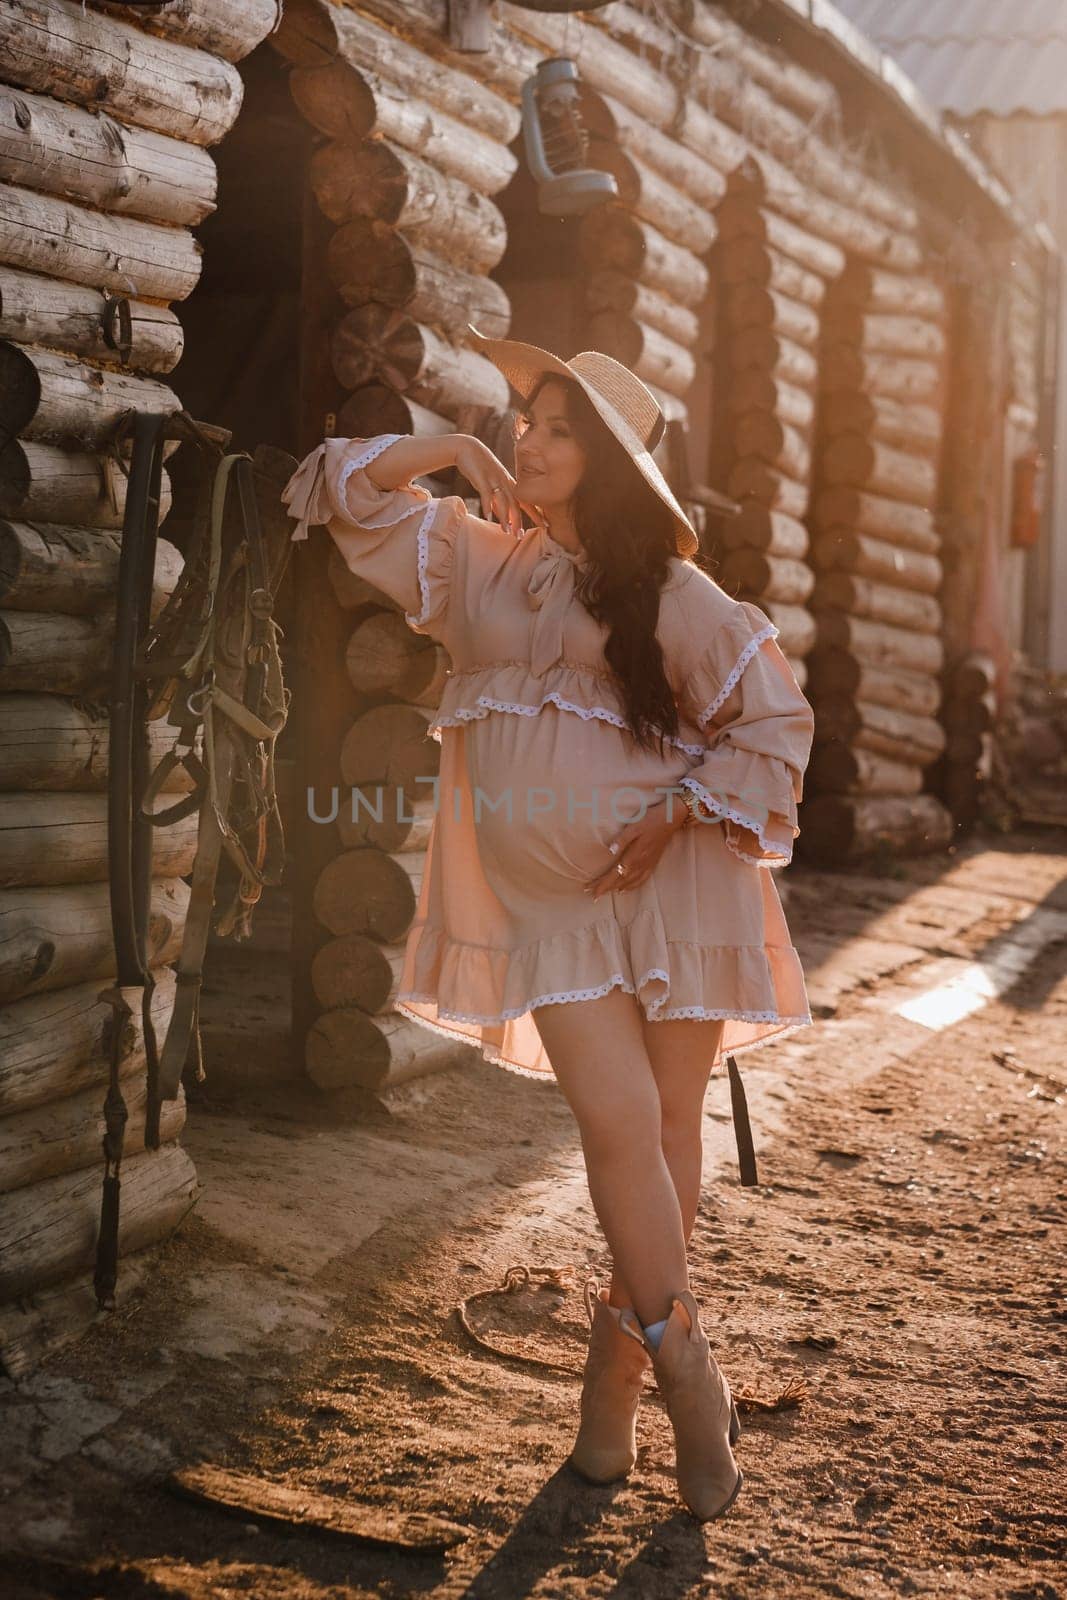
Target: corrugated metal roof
pixel 970 56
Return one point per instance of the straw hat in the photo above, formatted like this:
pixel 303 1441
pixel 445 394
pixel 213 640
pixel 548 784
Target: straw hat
pixel 623 402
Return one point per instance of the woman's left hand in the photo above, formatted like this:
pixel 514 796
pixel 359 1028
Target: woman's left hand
pixel 639 846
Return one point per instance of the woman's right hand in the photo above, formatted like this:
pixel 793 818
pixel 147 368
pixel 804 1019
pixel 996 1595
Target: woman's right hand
pixel 492 482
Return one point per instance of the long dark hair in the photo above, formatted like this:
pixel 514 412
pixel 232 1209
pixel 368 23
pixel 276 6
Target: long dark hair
pixel 628 536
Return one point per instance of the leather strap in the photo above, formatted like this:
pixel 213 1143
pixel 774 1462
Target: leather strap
pixel 746 1151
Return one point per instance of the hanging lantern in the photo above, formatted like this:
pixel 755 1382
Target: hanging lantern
pixel 557 142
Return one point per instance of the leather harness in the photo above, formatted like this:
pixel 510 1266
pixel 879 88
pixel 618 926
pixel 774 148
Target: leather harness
pixel 210 662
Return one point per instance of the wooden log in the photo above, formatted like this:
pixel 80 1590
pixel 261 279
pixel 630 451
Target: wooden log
pixel 859 553
pixel 884 730
pixel 696 154
pixel 40 233
pixel 375 342
pixel 878 334
pixel 43 483
pixel 739 218
pixel 59 1044
pixel 769 531
pixel 971 716
pixel 657 200
pixel 749 305
pixel 355 971
pixel 769 182
pixel 800 154
pixel 754 390
pixel 778 358
pixel 48 742
pixel 878 643
pixel 834 672
pixel 387 818
pixel 838 769
pixel 747 260
pixel 312 37
pixel 55 47
pixel 964 749
pixel 615 291
pixel 67 316
pixel 376 408
pixel 48 1230
pixel 755 479
pixel 760 434
pixel 66 1136
pixel 346 1049
pixel 48 396
pixel 64 150
pixel 350 590
pixel 70 570
pixel 814 96
pixel 892 520
pixel 48 839
pixel 369 261
pixel 845 366
pixel 366 891
pixel 648 353
pixel 876 290
pixel 384 656
pixel 348 105
pixel 383 181
pixel 973 675
pixel 53 938
pixel 796 626
pixel 914 428
pixel 613 237
pixel 227 28
pixel 863 463
pixel 40 652
pixel 882 602
pixel 389 744
pixel 760 574
pixel 837 830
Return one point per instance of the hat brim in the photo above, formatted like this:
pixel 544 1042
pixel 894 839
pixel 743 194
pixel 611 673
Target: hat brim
pixel 523 364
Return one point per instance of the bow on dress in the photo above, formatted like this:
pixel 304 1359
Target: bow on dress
pixel 549 591
pixel 305 494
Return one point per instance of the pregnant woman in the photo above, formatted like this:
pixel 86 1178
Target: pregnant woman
pixel 622 748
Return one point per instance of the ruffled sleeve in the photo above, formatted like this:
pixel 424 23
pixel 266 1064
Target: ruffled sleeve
pixel 400 540
pixel 741 690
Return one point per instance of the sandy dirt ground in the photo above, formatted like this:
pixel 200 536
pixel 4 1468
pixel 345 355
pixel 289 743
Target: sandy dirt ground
pixel 903 1255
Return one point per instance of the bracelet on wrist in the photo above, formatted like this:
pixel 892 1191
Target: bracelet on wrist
pixel 699 810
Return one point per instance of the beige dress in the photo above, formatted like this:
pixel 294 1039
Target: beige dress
pixel 539 773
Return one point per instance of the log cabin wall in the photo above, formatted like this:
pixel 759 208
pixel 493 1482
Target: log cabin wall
pixel 104 170
pixel 876 676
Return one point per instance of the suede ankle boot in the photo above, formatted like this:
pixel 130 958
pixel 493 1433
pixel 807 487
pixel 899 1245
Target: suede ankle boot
pixel 606 1446
pixel 700 1406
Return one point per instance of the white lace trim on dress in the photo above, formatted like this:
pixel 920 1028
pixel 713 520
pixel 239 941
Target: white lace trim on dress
pixel 601 713
pixel 563 997
pixel 728 814
pixel 788 1025
pixel 424 555
pixel 364 459
pixel 736 672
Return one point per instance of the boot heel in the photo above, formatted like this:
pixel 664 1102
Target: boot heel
pixel 735 1424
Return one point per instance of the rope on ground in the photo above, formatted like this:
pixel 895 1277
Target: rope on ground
pixel 516 1279
pixel 521 1276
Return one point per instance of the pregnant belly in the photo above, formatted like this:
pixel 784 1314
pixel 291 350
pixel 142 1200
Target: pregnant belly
pixel 550 796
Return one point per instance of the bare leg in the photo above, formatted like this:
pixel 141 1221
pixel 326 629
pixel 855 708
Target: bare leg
pixel 598 1054
pixel 680 1051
